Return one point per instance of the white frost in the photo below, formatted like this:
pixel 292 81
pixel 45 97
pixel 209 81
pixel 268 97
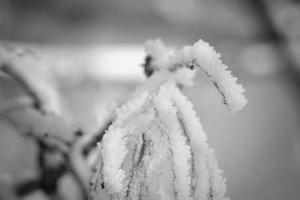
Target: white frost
pixel 158 133
pixel 181 151
pixel 203 56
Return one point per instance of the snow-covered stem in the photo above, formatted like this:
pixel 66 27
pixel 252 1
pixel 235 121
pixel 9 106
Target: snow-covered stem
pixel 158 113
pixel 176 161
pixel 154 146
pixel 203 56
pixel 181 150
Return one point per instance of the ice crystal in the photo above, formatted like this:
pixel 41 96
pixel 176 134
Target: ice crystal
pixel 156 147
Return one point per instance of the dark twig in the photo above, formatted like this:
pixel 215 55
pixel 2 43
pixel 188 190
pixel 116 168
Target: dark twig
pixel 51 163
pixel 148 70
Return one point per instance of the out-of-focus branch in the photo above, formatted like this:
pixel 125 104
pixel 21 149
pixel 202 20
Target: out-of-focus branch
pixel 275 36
pixel 14 104
pixel 77 164
pixel 296 1
pixel 56 157
pixel 53 162
pixel 91 140
pixel 81 148
pixel 30 73
pixel 271 32
pixel 14 74
pixel 50 160
pixel 26 187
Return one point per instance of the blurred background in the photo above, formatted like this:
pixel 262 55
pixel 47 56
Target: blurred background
pixel 95 51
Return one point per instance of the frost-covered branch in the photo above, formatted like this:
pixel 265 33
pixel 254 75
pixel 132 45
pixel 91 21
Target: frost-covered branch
pixel 57 157
pixel 30 73
pixel 153 146
pixel 162 115
pixel 202 56
pixel 162 150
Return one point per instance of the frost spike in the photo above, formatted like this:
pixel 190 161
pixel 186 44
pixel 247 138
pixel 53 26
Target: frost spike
pixel 117 137
pixel 113 158
pixel 181 152
pixel 202 55
pixel 206 165
pixel 198 142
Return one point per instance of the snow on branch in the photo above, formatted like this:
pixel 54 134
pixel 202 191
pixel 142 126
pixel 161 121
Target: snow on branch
pixel 30 72
pixel 200 55
pixel 155 133
pixel 156 147
pixel 181 150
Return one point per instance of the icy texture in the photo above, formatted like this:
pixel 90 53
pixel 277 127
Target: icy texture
pixel 181 151
pixel 156 147
pixel 203 56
